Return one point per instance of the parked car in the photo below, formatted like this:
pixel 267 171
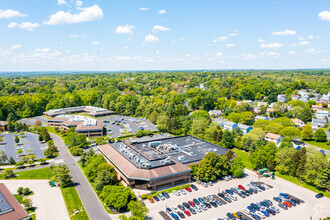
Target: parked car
pixel 201 200
pixel 255 206
pixel 166 195
pixel 275 209
pixel 168 210
pixel 277 199
pixel 271 211
pixel 203 207
pixel 262 188
pixel 151 200
pixel 181 207
pixel 196 201
pixel 210 183
pixel 246 211
pixel 181 214
pixel 214 204
pixel 188 189
pixel 218 202
pixel 238 215
pixel 194 187
pixel 191 203
pixel 251 209
pixel 175 216
pixel 187 212
pixel 264 204
pixel 198 208
pixel 320 195
pixel 265 213
pixel 254 216
pixel 192 211
pixel 292 202
pixel 186 205
pixel 229 192
pixel 183 192
pixel 231 216
pixel 233 190
pixel 227 199
pixel 241 194
pixel 288 204
pixel 156 198
pixel 297 201
pixel 282 206
pixel 260 214
pixel 285 195
pixel 221 195
pixel 241 187
pixel 204 184
pixel 175 209
pixel 207 205
pixel 161 196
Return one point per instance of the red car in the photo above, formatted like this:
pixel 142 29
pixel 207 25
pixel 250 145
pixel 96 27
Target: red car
pixel 187 212
pixel 191 203
pixel 241 187
pixel 287 204
pixel 188 189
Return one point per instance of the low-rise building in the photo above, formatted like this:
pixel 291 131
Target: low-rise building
pixel 151 165
pixel 322 114
pixel 90 110
pixel 225 124
pixel 281 98
pixel 298 144
pixel 261 118
pixel 298 122
pixel 245 128
pixel 259 104
pixel 215 113
pixel 10 209
pixel 318 123
pixel 317 107
pixel 294 97
pixel 270 110
pixel 276 138
pixel 84 125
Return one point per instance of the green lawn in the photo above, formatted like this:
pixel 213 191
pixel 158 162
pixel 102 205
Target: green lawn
pixel 73 203
pixel 33 217
pixel 296 180
pixel 51 129
pixel 322 145
pixel 42 173
pixel 245 158
pixel 19 198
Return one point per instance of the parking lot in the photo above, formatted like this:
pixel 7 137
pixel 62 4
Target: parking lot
pixel 309 208
pixel 124 125
pixel 28 142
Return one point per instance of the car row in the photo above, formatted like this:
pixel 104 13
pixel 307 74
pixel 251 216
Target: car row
pixel 164 195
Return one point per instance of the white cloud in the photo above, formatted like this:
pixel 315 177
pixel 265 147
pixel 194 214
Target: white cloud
pixel 275 54
pixel 124 58
pixel 10 14
pixel 232 34
pixel 324 60
pixel 158 28
pixel 61 2
pixel 143 9
pixel 125 48
pixel 292 52
pixel 271 45
pixel 44 50
pixel 17 46
pixel 79 3
pixel 300 44
pixel 188 55
pixel 324 15
pixel 92 13
pixel 175 40
pixel 68 51
pixel 151 39
pixel 312 37
pixel 162 11
pixel 206 54
pixel 286 32
pixel 73 36
pixel 230 45
pixel 126 29
pixel 221 38
pixel 157 52
pixel 24 26
pixel 219 54
pixel 310 51
pixel 249 56
pixel 261 41
pixel 95 42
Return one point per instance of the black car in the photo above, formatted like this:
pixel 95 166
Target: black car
pixel 156 198
pixel 181 207
pixel 277 199
pixel 295 200
pixel 253 190
pixel 245 193
pixel 186 205
pixel 231 216
pixel 292 202
pixel 227 199
pixel 268 202
pixel 194 187
pixel 196 201
pixel 262 188
pixel 264 204
pixel 166 195
pixel 192 211
pixel 271 211
pixel 168 210
pixel 181 214
pixel 255 206
pixel 214 204
pixel 320 195
pixel 241 195
pixel 208 205
pixel 221 195
pixel 233 189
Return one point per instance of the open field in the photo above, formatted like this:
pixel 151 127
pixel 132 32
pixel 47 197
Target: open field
pixel 42 173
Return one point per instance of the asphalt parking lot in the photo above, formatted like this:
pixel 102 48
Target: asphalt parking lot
pixel 127 125
pixel 30 121
pixel 28 142
pixel 310 208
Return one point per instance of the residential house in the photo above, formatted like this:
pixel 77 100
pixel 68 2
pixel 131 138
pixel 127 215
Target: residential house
pixel 259 104
pixel 215 113
pixel 317 107
pixel 275 138
pixel 318 123
pixel 325 97
pixel 298 122
pixel 249 102
pixel 294 97
pixel 246 129
pixel 269 110
pixel 3 125
pixel 298 144
pixel 227 125
pixel 322 114
pixel 281 98
pixel 261 117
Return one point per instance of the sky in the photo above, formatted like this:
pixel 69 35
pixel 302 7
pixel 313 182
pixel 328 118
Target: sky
pixel 108 35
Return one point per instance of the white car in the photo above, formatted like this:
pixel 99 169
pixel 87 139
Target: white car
pixel 246 211
pixel 225 218
pixel 204 184
pixel 175 192
pixel 203 207
pixel 198 208
pixel 210 183
pixel 233 197
pixel 226 178
pixel 275 209
pixel 183 192
pixel 260 214
pixel 266 186
pixel 175 209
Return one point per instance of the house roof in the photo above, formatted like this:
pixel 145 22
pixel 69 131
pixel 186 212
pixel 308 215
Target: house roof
pixel 296 120
pixel 9 206
pixel 317 120
pixel 243 127
pixel 273 136
pixel 132 172
pixel 3 123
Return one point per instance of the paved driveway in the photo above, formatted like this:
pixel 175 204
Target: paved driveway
pixel 48 200
pixel 316 208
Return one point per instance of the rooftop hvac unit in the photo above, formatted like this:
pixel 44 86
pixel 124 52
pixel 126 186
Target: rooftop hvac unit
pixel 181 158
pixel 148 165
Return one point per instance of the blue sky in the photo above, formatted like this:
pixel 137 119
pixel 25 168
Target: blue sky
pixel 108 35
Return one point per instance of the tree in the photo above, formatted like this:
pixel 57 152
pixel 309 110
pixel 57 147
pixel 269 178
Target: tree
pixel 260 157
pixel 49 152
pixel 283 160
pixel 26 191
pixel 117 196
pixel 198 126
pixel 235 117
pixel 228 139
pixel 19 151
pixel 16 139
pixel 305 114
pixel 40 138
pixel 237 168
pixel 316 163
pixel 104 177
pixel 307 133
pixel 205 171
pixel 11 161
pixel 27 203
pixel 37 123
pixel 153 117
pixel 20 164
pixel 194 169
pixel 1 138
pixel 324 182
pixel 137 210
pixel 291 132
pixel 3 157
pixel 19 190
pixel 8 173
pixel 42 160
pixel 320 135
pixel 62 175
pixel 45 135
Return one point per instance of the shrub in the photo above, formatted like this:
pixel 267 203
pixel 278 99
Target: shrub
pixel 144 196
pixel 26 191
pixel 153 192
pixel 20 190
pixel 76 151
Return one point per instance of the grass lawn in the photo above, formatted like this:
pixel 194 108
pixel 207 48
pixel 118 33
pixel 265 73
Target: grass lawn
pixel 19 198
pixel 51 129
pixel 33 217
pixel 322 145
pixel 73 203
pixel 42 173
pixel 245 158
pixel 296 180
